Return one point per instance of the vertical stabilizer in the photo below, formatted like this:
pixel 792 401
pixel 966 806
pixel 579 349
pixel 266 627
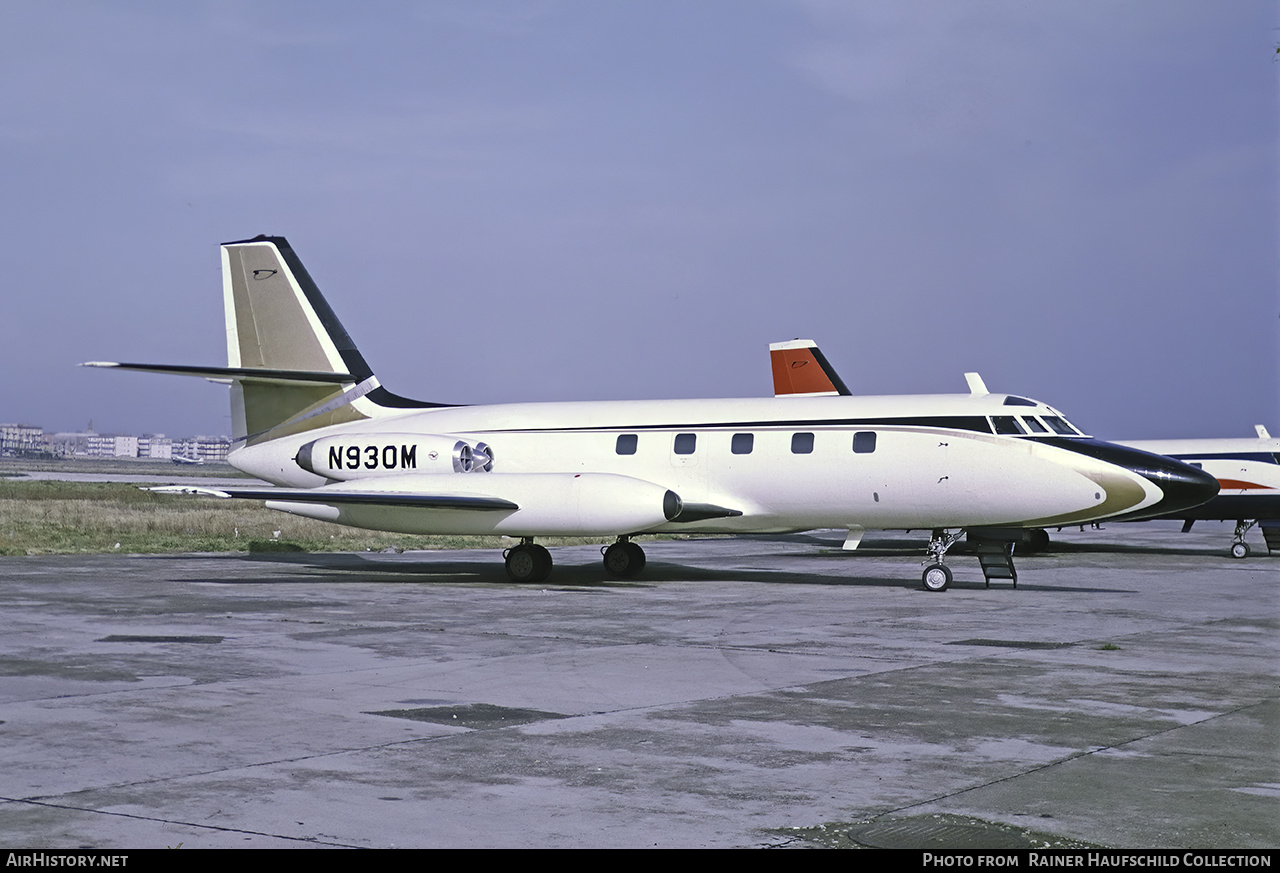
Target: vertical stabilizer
pixel 800 369
pixel 312 374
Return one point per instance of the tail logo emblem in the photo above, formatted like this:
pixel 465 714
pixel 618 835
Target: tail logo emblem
pixel 264 274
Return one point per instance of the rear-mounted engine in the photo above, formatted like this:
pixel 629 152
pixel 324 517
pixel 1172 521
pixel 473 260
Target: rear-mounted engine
pixel 360 456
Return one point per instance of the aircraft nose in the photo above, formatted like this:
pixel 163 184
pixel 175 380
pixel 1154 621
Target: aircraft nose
pixel 1182 485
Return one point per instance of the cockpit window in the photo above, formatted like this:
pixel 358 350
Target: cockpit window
pixel 1006 424
pixel 1034 424
pixel 1060 425
pixel 1011 400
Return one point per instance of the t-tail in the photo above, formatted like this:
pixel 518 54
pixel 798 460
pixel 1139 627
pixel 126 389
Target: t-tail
pixel 801 370
pixel 291 364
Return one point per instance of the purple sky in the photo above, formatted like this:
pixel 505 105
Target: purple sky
pixel 574 199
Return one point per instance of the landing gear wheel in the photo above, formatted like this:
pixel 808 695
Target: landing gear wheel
pixel 937 577
pixel 1039 540
pixel 528 562
pixel 623 560
pixel 1239 550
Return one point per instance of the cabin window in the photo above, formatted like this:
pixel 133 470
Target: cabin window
pixel 743 443
pixel 686 443
pixel 1006 424
pixel 801 443
pixel 627 443
pixel 864 442
pixel 1034 424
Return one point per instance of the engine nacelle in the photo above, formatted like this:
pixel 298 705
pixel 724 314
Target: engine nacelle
pixel 362 456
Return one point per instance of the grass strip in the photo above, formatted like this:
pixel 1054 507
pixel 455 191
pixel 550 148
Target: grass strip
pixel 56 517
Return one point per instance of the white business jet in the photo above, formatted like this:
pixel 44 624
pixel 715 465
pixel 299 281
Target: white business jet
pixel 310 416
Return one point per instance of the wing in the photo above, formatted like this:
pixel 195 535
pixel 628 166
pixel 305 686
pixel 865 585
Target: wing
pixel 371 498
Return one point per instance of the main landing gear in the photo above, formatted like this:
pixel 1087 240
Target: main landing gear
pixel 528 562
pixel 623 559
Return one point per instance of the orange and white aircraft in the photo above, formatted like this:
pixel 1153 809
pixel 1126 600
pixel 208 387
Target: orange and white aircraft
pixel 1248 474
pixel 1247 470
pixel 310 416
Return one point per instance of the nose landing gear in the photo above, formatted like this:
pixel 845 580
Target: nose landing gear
pixel 993 547
pixel 937 576
pixel 1239 548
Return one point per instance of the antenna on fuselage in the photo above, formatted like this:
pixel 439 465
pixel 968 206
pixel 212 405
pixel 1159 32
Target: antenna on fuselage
pixel 976 385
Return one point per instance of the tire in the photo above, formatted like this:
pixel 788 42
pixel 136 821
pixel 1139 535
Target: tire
pixel 528 563
pixel 1239 550
pixel 936 577
pixel 623 560
pixel 542 558
pixel 637 559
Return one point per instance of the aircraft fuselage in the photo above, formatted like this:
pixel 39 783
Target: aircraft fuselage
pixel 878 462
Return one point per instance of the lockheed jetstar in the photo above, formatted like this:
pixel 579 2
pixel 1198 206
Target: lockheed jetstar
pixel 310 417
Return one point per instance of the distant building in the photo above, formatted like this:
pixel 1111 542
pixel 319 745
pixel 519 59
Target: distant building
pixel 88 444
pixel 203 448
pixel 113 446
pixel 69 444
pixel 155 445
pixel 21 439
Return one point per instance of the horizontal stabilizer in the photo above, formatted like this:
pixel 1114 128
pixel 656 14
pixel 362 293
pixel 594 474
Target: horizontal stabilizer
pixel 235 374
pixel 334 498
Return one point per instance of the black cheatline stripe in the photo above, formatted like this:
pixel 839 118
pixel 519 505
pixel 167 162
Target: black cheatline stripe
pixel 1264 457
pixel 976 424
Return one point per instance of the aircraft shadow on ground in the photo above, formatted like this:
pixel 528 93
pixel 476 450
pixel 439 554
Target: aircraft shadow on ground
pixel 900 547
pixel 1064 548
pixel 401 569
pixel 321 567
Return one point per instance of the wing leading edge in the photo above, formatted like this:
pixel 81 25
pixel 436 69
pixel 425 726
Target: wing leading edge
pixel 336 498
